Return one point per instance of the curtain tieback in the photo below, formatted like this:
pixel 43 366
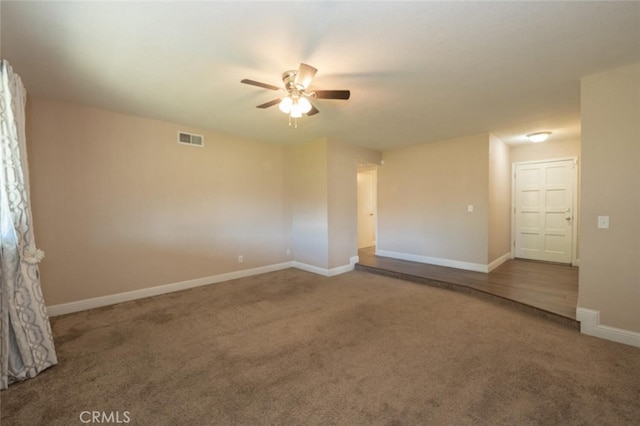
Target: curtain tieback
pixel 33 256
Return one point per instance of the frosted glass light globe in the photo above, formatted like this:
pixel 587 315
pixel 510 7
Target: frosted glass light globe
pixel 285 105
pixel 296 111
pixel 305 105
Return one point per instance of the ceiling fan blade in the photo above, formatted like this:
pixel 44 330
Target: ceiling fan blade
pixel 269 104
pixel 313 111
pixel 332 94
pixel 305 75
pixel 257 83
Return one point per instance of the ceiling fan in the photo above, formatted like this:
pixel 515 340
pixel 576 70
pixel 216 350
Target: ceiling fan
pixel 296 100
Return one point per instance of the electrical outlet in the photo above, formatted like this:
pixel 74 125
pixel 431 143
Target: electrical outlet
pixel 288 252
pixel 603 222
pixel 240 259
pixel 470 208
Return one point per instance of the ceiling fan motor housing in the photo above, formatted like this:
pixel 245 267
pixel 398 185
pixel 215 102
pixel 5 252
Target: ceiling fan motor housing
pixel 289 80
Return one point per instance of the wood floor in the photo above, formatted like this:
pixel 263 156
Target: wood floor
pixel 549 290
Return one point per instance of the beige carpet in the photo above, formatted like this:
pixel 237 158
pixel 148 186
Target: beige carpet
pixel 291 347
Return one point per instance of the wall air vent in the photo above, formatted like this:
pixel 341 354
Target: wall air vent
pixel 190 139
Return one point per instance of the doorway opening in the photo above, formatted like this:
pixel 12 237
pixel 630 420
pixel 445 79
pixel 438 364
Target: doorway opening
pixel 367 206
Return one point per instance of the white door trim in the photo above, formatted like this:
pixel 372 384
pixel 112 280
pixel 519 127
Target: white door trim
pixel 373 170
pixel 574 201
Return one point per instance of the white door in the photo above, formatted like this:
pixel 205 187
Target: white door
pixel 544 210
pixel 366 209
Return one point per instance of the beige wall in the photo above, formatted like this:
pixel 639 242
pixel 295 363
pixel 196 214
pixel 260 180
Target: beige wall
pixel 324 201
pixel 610 258
pixel 423 194
pixel 309 201
pixel 499 199
pixel 545 150
pixel 343 162
pixel 118 205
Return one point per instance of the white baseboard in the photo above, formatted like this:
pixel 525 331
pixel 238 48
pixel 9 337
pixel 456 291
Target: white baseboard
pixel 477 267
pixel 499 261
pixel 310 268
pixel 327 272
pixel 590 324
pixel 112 299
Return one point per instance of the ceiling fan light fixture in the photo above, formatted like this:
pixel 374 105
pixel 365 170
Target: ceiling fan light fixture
pixel 285 105
pixel 538 136
pixel 304 104
pixel 296 110
pixel 296 92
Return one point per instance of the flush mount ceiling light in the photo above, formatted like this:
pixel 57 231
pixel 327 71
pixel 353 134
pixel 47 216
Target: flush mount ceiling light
pixel 538 136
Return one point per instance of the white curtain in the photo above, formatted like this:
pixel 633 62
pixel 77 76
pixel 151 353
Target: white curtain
pixel 26 342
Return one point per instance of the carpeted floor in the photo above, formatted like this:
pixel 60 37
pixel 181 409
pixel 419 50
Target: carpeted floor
pixel 291 347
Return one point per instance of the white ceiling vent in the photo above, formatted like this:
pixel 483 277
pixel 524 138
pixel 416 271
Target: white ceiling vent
pixel 190 139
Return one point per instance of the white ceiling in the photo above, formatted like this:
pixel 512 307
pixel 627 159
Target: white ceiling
pixel 418 71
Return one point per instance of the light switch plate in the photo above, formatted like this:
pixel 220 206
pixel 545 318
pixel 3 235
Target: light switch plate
pixel 603 222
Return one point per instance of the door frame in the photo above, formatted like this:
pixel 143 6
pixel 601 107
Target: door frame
pixel 574 209
pixel 373 169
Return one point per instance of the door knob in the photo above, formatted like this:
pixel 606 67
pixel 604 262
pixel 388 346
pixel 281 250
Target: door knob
pixel 568 218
